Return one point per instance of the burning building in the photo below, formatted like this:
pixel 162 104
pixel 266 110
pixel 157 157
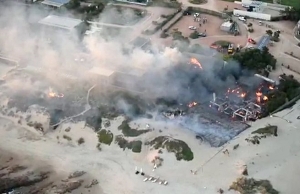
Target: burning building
pixel 117 80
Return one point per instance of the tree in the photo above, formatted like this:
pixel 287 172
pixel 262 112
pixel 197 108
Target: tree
pixel 269 32
pixel 194 35
pixel 255 59
pixel 292 13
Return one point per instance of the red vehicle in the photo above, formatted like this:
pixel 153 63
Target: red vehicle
pixel 250 40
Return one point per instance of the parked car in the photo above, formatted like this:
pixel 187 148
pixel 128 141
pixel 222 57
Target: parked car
pixel 201 34
pixel 245 6
pixel 196 15
pixel 250 40
pixel 242 19
pixel 192 28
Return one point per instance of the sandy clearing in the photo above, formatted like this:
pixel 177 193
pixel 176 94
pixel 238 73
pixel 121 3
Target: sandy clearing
pixel 274 159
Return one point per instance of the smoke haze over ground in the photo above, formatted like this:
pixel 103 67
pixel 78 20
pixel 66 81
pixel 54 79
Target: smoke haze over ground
pixel 167 72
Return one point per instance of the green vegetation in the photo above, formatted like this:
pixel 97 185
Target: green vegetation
pixel 293 3
pixel 260 61
pixel 94 122
pixel 80 141
pixel 194 35
pixel 88 11
pixel 252 186
pixel 197 2
pixel 67 137
pixel 293 13
pixel 222 43
pixel 130 132
pixel 180 148
pixel 254 59
pixel 134 146
pixel 105 136
pixel 268 130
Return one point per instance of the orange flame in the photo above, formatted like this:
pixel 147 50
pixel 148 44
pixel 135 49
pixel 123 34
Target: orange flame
pixel 259 94
pixel 271 88
pixel 52 94
pixel 265 98
pixel 192 104
pixel 196 62
pixel 243 95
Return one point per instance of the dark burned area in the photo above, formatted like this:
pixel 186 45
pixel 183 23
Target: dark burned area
pixel 182 84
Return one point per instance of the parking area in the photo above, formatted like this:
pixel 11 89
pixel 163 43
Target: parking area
pixel 211 27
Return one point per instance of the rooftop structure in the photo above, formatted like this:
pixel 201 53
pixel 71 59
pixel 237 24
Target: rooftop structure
pixel 263 42
pixel 60 22
pixel 55 3
pixel 226 26
pixel 260 10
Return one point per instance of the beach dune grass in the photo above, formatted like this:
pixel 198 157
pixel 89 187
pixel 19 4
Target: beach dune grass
pixel 105 136
pixel 180 148
pixel 134 146
pixel 130 132
pixel 268 130
pixel 251 186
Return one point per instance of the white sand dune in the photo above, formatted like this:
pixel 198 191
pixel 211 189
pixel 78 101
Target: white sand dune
pixel 275 158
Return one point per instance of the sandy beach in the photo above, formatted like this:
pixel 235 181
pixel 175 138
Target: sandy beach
pixel 274 159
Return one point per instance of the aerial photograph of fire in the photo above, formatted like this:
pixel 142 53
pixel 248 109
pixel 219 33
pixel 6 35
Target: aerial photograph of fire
pixel 143 97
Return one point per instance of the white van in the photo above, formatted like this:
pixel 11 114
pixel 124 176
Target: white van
pixel 242 19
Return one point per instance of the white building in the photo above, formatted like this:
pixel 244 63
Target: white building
pixel 226 26
pixel 260 10
pixel 55 3
pixel 60 22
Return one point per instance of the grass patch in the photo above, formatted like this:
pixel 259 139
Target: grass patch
pixel 180 148
pixel 105 136
pixel 268 130
pixel 251 186
pixel 130 132
pixel 134 146
pixel 222 43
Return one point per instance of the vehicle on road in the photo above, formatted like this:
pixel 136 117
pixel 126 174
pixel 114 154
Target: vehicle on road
pixel 230 49
pixel 250 40
pixel 196 15
pixel 242 19
pixel 201 34
pixel 192 28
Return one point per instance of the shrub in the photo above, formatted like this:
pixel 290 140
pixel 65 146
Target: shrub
pixel 67 137
pixel 130 132
pixel 80 141
pixel 250 30
pixel 164 35
pixel 98 146
pixel 194 35
pixel 105 136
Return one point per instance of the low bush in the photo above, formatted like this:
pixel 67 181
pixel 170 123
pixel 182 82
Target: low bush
pixel 105 136
pixel 80 141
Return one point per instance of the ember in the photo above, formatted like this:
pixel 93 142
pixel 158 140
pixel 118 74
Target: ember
pixel 192 104
pixel 52 94
pixel 196 62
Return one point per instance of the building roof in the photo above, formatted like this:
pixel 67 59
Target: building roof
pixel 60 22
pixel 264 41
pixel 227 24
pixel 101 71
pixel 55 3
